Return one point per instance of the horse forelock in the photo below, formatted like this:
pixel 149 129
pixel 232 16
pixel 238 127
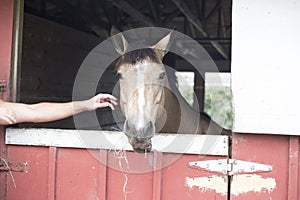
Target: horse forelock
pixel 137 56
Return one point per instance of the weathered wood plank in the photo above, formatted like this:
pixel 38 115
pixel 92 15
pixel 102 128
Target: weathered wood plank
pixel 171 143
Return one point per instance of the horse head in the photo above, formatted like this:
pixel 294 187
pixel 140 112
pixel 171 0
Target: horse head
pixel 143 78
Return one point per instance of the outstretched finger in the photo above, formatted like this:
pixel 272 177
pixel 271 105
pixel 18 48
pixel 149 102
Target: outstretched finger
pixel 8 120
pixel 113 102
pixel 107 96
pixel 108 100
pixel 106 104
pixel 111 106
pixel 11 117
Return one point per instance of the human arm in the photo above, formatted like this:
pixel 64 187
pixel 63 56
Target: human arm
pixel 11 113
pixel 6 115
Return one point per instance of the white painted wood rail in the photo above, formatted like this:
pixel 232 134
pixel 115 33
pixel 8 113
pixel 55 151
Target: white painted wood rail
pixel 111 140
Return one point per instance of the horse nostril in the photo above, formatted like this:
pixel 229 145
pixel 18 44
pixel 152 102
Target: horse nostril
pixel 149 147
pixel 129 128
pixel 126 126
pixel 149 130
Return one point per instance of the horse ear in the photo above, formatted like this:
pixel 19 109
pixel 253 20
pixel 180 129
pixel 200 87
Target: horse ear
pixel 119 41
pixel 163 44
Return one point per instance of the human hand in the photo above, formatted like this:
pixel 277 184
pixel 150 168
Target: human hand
pixel 7 116
pixel 101 101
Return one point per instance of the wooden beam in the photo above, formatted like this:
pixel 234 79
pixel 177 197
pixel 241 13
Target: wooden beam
pixel 199 91
pixel 112 140
pixel 157 175
pixel 171 16
pixel 198 24
pixel 213 10
pixel 102 173
pixel 52 160
pixel 127 8
pixel 222 66
pixel 153 8
pixel 293 176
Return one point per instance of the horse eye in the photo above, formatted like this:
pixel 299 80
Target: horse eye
pixel 162 75
pixel 119 76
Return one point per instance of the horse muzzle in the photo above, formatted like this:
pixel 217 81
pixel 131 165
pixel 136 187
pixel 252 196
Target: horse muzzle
pixel 140 135
pixel 138 130
pixel 141 145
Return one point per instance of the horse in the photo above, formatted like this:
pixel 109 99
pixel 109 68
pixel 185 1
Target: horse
pixel 149 99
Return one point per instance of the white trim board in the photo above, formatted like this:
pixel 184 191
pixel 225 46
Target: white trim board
pixel 111 140
pixel 265 78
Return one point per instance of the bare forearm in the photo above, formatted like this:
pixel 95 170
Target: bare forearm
pixel 44 112
pixel 41 112
pixel 11 113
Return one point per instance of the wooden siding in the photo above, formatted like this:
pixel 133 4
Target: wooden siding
pixel 100 173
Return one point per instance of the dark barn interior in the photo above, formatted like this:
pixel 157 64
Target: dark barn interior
pixel 59 34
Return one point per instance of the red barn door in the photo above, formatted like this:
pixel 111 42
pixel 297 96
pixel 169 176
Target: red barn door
pixel 68 164
pixel 6 33
pixel 278 151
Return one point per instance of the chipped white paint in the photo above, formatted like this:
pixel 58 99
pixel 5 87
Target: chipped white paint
pixel 251 183
pixel 216 183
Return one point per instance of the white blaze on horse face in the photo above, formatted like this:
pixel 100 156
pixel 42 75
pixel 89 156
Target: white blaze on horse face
pixel 141 70
pixel 149 87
